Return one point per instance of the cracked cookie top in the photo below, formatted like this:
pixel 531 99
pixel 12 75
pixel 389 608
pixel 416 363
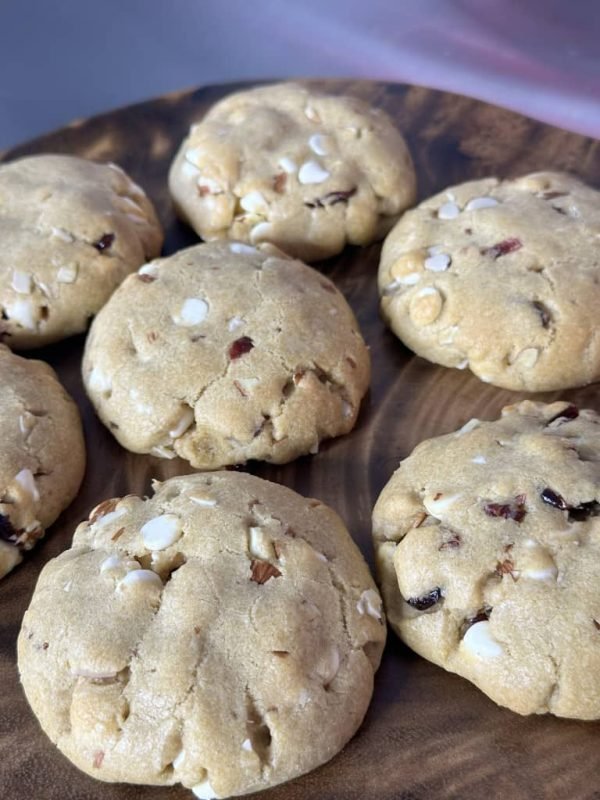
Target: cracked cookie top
pixel 222 353
pixel 71 231
pixel 488 551
pixel 501 277
pixel 42 455
pixel 222 633
pixel 305 171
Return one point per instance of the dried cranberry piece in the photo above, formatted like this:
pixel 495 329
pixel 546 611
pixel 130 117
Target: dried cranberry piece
pixel 452 543
pixel 584 511
pixel 515 511
pixel 480 616
pixel 104 242
pixel 7 530
pixel 554 499
pixel 427 600
pixel 542 310
pixel 570 412
pixel 504 247
pixel 331 198
pixel 240 346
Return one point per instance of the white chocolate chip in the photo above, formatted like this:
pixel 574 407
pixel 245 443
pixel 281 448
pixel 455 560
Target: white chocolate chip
pixel 107 519
pixel 425 306
pixel 162 451
pixel 161 532
pixel 141 577
pixel 480 202
pixel 67 273
pixel 260 231
pixel 311 114
pixel 192 312
pixel 448 211
pixel 463 364
pixel 312 172
pixel 62 234
pixel 254 202
pixel 319 143
pixel 184 422
pixel 260 544
pixel 204 791
pixel 527 358
pixel 369 603
pixel 322 557
pixel 179 759
pixel 479 460
pixel 26 423
pixel 22 312
pixel 189 170
pixel 82 672
pixel 26 481
pixel 347 409
pixel 193 155
pixel 239 247
pixel 149 269
pixel 437 262
pixel 328 666
pixel 288 165
pixel 233 323
pixel 438 504
pixel 536 563
pixel 468 427
pixel 117 567
pixel 99 382
pixel 248 384
pixel 21 282
pixel 479 642
pixel 247 745
pixel 303 698
pixel 203 499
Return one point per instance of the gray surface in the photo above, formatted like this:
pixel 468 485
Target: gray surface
pixel 61 59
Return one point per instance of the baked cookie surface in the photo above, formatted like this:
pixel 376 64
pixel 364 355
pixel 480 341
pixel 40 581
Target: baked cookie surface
pixel 502 277
pixel 71 231
pixel 221 353
pixel 488 551
pixel 42 453
pixel 305 171
pixel 222 633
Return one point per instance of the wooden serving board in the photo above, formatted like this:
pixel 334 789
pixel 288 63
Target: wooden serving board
pixel 428 734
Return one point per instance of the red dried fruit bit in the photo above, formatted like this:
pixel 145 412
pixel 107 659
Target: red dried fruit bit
pixel 451 544
pixel 542 310
pixel 279 182
pixel 202 190
pixel 145 277
pixel 582 512
pixel 98 759
pixel 504 247
pixel 427 600
pixel 103 508
pixel 240 346
pixel 262 571
pixel 554 499
pixel 570 412
pixel 328 287
pixel 104 242
pixel 506 567
pixel 481 616
pixel 7 530
pixel 331 198
pixel 515 511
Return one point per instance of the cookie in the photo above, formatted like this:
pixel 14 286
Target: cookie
pixel 488 550
pixel 71 231
pixel 223 634
pixel 222 353
pixel 501 277
pixel 282 164
pixel 42 455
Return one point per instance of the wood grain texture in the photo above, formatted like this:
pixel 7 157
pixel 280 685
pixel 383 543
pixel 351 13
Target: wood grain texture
pixel 428 734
